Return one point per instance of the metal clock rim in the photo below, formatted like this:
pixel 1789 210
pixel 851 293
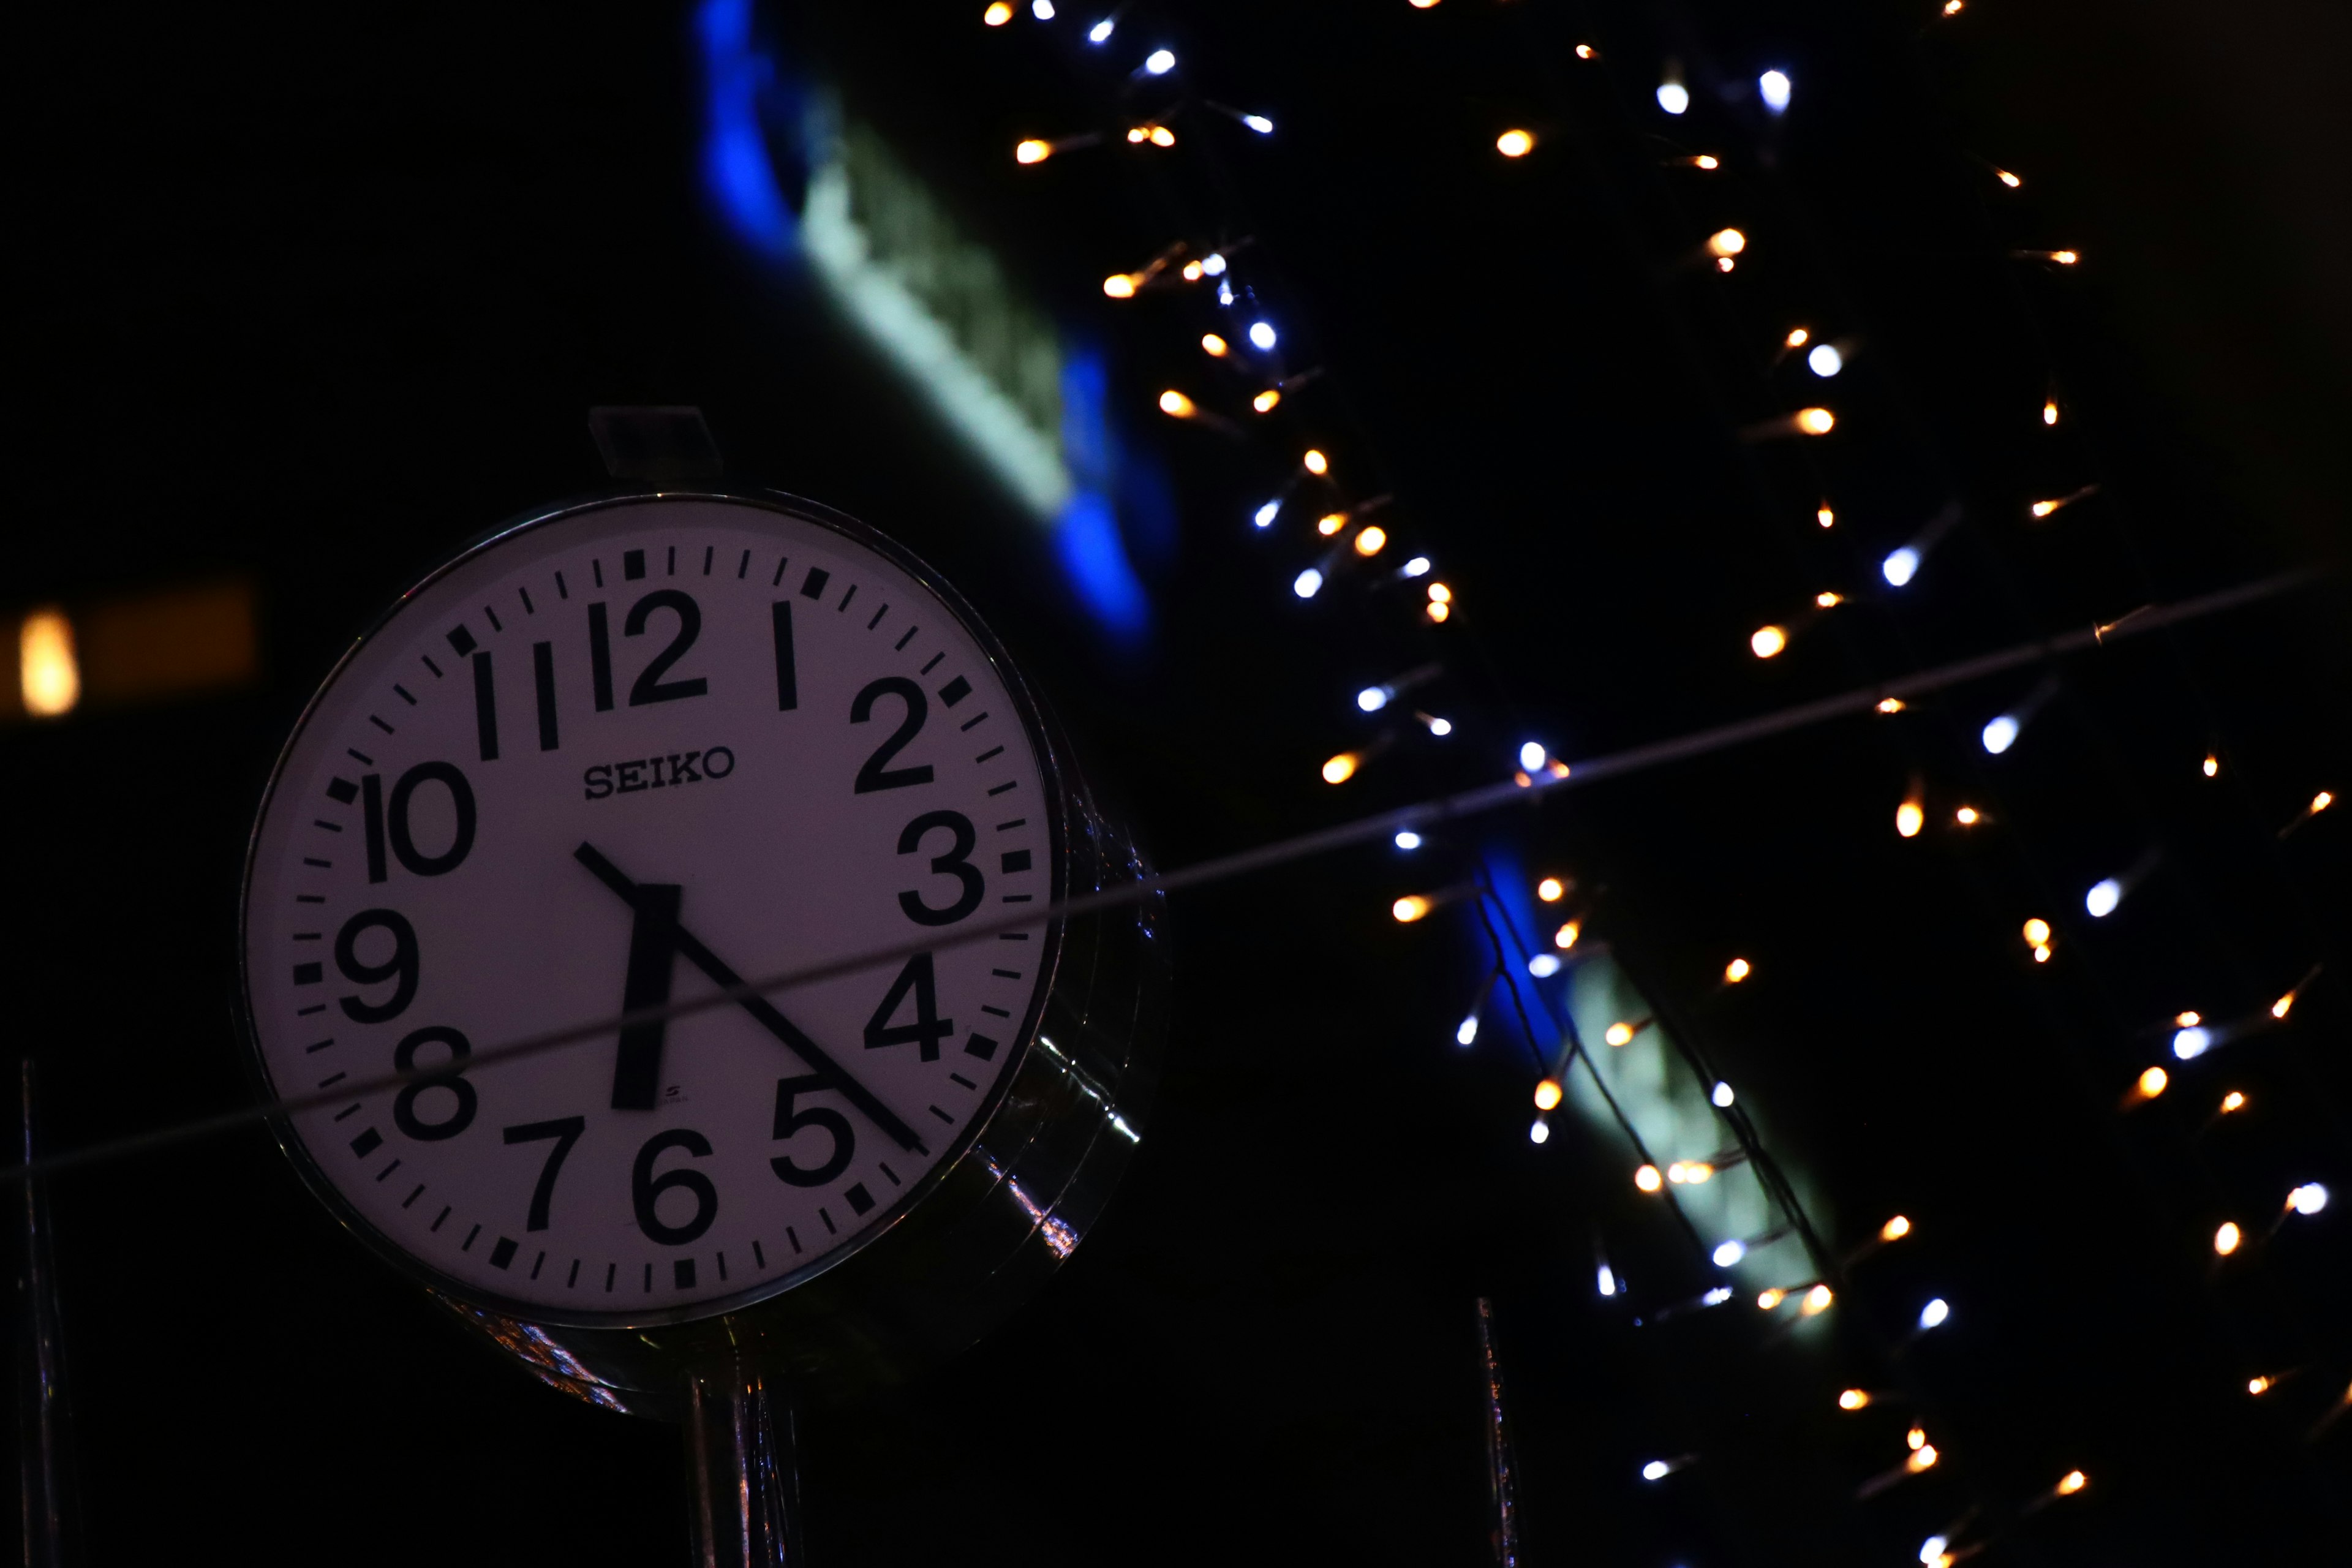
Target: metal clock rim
pixel 1041 735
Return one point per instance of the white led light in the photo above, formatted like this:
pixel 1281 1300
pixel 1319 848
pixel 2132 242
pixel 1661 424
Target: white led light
pixel 1372 698
pixel 1825 362
pixel 1100 32
pixel 1722 1097
pixel 1407 838
pixel 1539 1132
pixel 1931 1549
pixel 1441 728
pixel 1656 1470
pixel 1999 735
pixel 2191 1043
pixel 1213 263
pixel 1900 566
pixel 1160 62
pixel 1531 756
pixel 2308 1198
pixel 1417 567
pixel 1261 333
pixel 1264 517
pixel 1607 1281
pixel 1729 1253
pixel 1543 965
pixel 1224 293
pixel 1718 1297
pixel 1307 584
pixel 1672 97
pixel 1933 1315
pixel 1774 88
pixel 1042 9
pixel 1467 1031
pixel 2104 895
pixel 1259 123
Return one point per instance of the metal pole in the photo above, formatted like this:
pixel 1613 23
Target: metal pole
pixel 742 1486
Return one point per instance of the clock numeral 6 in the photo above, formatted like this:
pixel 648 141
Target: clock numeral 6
pixel 956 862
pixel 405 1106
pixel 647 1188
pixel 789 1121
pixel 391 820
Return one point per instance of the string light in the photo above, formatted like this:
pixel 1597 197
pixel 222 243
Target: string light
pixel 2259 1385
pixel 1540 1132
pixel 1895 1229
pixel 1315 462
pixel 1101 31
pixel 2037 937
pixel 1546 1094
pixel 2006 178
pixel 1620 1033
pixel 1673 96
pixel 1262 336
pixel 1565 937
pixel 1817 1300
pixel 1646 1179
pixel 1515 143
pixel 1728 1254
pixel 2307 1199
pixel 1368 540
pixel 2152 1082
pixel 1923 1459
pixel 1721 1096
pixel 1407 839
pixel 1543 966
pixel 2227 1239
pixel 1915 1438
pixel 1264 517
pixel 1774 88
pixel 1587 52
pixel 1416 567
pixel 1892 705
pixel 2043 509
pixel 1690 1173
pixel 1307 584
pixel 1042 9
pixel 1215 346
pixel 1158 135
pixel 1551 890
pixel 1766 642
pixel 2319 802
pixel 1797 338
pixel 1531 754
pixel 1910 818
pixel 1954 7
pixel 1825 516
pixel 2103 897
pixel 1176 405
pixel 1968 816
pixel 997 14
pixel 1032 151
pixel 1341 768
pixel 1900 566
pixel 1738 970
pixel 1467 1032
pixel 1123 285
pixel 1854 1399
pixel 48 675
pixel 1767 1300
pixel 2050 411
pixel 1826 361
pixel 2212 765
pixel 1411 908
pixel 1726 242
pixel 1330 522
pixel 1264 402
pixel 2191 1040
pixel 1816 421
pixel 2233 1100
pixel 1936 1313
pixel 1160 62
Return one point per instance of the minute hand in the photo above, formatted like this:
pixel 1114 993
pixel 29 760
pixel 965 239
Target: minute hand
pixel 691 947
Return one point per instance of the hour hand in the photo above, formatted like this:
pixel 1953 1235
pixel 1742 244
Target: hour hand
pixel 676 939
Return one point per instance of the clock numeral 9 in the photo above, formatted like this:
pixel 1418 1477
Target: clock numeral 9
pixel 832 1124
pixel 404 1108
pixel 400 968
pixel 390 821
pixel 647 1188
pixel 956 862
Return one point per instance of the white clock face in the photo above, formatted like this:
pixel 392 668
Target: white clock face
pixel 621 758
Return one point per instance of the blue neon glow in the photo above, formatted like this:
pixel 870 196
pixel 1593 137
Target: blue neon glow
pixel 737 174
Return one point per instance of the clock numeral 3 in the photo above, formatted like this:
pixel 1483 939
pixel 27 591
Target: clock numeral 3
pixel 400 968
pixel 928 1029
pixel 404 1108
pixel 647 1188
pixel 874 776
pixel 956 862
pixel 789 1121
pixel 393 821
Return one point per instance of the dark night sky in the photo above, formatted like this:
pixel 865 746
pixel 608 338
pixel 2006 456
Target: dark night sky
pixel 315 295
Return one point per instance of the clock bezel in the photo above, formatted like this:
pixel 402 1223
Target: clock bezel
pixel 1054 786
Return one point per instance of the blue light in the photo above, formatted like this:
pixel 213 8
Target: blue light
pixel 1729 1253
pixel 1774 87
pixel 736 174
pixel 1094 561
pixel 1259 123
pixel 1407 838
pixel 2104 895
pixel 1935 1314
pixel 1543 965
pixel 2192 1042
pixel 1160 62
pixel 1100 32
pixel 1307 584
pixel 1042 9
pixel 1900 567
pixel 1417 567
pixel 1264 517
pixel 1656 1470
pixel 1718 1297
pixel 1213 263
pixel 1372 698
pixel 2000 734
pixel 1261 333
pixel 1607 1281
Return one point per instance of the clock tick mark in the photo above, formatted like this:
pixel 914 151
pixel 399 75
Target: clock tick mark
pixel 342 792
pixel 411 1198
pixel 722 1267
pixel 438 1219
pixel 649 1278
pixel 537 1264
pixel 1009 826
pixel 830 1229
pixel 502 1255
pixel 367 1142
pixel 1014 860
pixel 562 590
pixel 462 640
pixel 573 1278
pixel 1007 973
pixel 670 568
pixel 310 897
pixel 859 1198
pixel 346 1111
pixel 362 757
pixel 496 625
pixel 943 1116
pixel 427 659
pixel 308 974
pixel 974 721
pixel 778 580
pixel 955 691
pixel 306 1012
pixel 633 564
pixel 710 552
pixel 844 605
pixel 387 1171
pixel 596 566
pixel 742 566
pixel 934 664
pixel 1012 936
pixel 878 615
pixel 681 1274
pixel 610 1271
pixel 330 1082
pixel 382 725
pixel 981 1045
pixel 1007 784
pixel 886 1171
pixel 1019 899
pixel 813 585
pixel 471 1236
pixel 759 1257
pixel 793 1237
pixel 958 1078
pixel 329 826
pixel 310 936
pixel 322 1045
pixel 997 1012
pixel 992 752
pixel 903 641
pixel 528 609
pixel 314 861
pixel 406 695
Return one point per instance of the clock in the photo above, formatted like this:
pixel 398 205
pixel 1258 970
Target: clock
pixel 612 763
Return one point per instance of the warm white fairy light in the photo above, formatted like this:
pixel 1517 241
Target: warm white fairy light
pixel 1515 143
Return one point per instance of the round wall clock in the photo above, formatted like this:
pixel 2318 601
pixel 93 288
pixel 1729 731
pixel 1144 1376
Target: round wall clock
pixel 630 754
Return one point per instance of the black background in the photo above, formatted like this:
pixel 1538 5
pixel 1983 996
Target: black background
pixel 313 295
